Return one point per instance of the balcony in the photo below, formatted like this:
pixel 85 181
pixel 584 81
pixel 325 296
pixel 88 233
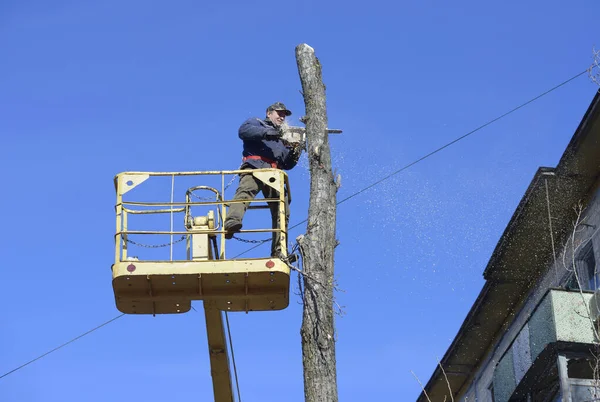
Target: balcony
pixel 552 359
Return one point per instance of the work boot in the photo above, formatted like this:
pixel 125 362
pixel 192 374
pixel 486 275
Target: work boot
pixel 290 259
pixel 231 227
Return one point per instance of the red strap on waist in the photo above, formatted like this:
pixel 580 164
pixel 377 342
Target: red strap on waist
pixel 261 158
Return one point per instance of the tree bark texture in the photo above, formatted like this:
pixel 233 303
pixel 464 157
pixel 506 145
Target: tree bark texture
pixel 318 244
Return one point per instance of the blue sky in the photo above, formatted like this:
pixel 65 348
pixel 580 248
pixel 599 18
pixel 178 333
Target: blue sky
pixel 91 89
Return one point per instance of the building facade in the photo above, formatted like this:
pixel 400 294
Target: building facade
pixel 532 333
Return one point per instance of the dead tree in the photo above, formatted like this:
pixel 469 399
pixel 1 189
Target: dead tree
pixel 318 244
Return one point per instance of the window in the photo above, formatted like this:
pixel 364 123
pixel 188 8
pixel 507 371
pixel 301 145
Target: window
pixel 572 283
pixel 582 368
pixel 588 272
pixel 593 276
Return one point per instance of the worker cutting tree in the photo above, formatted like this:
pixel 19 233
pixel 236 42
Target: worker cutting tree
pixel 264 147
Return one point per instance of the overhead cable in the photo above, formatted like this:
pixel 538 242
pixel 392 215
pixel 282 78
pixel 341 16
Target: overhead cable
pixel 462 137
pixel 61 346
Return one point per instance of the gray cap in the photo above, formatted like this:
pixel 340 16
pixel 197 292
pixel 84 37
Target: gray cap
pixel 279 106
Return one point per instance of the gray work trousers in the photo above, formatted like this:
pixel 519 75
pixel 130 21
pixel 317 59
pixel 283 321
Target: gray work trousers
pixel 248 189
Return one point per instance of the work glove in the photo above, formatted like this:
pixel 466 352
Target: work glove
pixel 273 134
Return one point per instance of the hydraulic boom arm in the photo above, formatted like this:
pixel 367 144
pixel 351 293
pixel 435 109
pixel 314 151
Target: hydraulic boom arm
pixel 217 350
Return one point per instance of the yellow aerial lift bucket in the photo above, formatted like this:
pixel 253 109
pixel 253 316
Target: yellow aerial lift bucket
pixel 167 284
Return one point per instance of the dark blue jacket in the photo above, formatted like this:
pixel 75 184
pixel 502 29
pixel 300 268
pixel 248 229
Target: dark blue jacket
pixel 253 132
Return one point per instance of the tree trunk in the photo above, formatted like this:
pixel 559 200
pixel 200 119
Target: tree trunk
pixel 317 246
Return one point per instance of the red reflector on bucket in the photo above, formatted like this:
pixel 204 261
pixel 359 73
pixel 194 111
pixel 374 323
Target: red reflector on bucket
pixel 131 267
pixel 270 264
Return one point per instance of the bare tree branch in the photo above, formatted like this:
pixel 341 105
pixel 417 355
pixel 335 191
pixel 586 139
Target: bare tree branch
pixel 423 388
pixel 447 382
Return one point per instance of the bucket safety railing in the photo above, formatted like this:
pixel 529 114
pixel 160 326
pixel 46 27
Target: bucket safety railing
pixel 212 223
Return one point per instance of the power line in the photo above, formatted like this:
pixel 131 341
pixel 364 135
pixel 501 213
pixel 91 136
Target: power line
pixel 63 345
pixel 403 168
pixel 339 202
pixel 462 137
